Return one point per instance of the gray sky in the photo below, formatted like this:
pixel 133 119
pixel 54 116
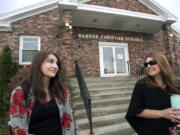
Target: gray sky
pixel 173 7
pixel 9 5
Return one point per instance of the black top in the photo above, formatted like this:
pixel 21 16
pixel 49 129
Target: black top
pixel 45 119
pixel 144 97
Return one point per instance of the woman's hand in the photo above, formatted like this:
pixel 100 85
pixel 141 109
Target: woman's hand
pixel 171 114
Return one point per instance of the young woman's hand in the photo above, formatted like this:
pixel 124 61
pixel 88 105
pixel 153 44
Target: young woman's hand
pixel 171 114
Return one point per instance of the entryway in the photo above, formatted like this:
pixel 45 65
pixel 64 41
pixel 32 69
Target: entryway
pixel 113 59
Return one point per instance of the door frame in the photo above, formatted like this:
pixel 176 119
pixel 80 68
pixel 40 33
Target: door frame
pixel 112 44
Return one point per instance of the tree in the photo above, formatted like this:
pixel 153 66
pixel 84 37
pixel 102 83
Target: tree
pixel 7 69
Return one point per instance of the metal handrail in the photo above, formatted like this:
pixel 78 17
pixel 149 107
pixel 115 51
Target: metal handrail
pixel 85 95
pixel 176 67
pixel 135 70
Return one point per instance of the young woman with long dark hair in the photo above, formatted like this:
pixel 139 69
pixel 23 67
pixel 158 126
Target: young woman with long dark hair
pixel 39 105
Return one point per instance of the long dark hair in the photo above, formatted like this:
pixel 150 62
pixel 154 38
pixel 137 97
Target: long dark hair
pixel 34 79
pixel 167 74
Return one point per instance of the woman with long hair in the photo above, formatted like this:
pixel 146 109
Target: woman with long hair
pixel 39 105
pixel 150 111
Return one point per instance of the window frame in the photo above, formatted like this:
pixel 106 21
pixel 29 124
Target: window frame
pixel 178 39
pixel 21 47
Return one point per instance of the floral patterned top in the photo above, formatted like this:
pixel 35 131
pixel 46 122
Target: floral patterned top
pixel 20 113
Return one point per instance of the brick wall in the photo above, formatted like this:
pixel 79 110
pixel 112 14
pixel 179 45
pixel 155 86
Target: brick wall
pixel 44 25
pixel 86 51
pixel 132 5
pixel 57 38
pixel 177 52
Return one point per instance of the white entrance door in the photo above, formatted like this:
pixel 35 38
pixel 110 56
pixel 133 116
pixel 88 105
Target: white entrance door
pixel 113 59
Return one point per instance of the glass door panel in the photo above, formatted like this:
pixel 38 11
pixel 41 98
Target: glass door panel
pixel 120 60
pixel 108 63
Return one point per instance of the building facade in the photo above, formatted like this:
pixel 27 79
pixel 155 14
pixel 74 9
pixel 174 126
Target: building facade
pixel 101 35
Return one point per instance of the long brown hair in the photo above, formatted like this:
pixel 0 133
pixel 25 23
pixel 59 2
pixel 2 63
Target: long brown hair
pixel 166 72
pixel 34 79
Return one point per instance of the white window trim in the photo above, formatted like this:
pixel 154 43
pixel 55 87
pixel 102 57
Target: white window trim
pixel 21 47
pixel 178 39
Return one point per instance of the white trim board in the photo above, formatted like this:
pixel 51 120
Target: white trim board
pixel 115 11
pixel 28 11
pixel 155 7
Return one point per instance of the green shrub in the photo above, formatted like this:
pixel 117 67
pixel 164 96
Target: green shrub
pixel 7 69
pixel 14 82
pixel 4 129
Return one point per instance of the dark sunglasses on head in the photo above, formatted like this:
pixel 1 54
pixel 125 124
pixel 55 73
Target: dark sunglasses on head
pixel 152 62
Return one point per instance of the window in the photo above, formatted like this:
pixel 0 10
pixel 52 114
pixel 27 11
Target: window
pixel 29 45
pixel 178 39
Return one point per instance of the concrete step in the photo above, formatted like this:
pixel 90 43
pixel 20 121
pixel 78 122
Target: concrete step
pixel 101 111
pixel 76 89
pixel 101 118
pixel 102 123
pixel 127 131
pixel 106 88
pixel 107 85
pixel 102 100
pixel 110 99
pixel 92 79
pixel 96 92
pixel 75 84
pixel 106 129
pixel 105 95
pixel 106 103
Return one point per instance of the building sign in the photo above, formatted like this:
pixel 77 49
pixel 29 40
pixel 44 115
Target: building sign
pixel 109 37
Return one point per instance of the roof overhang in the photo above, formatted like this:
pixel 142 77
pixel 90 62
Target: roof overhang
pixel 161 11
pixel 13 16
pixel 92 16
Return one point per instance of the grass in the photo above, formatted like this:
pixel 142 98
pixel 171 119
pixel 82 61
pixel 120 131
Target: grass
pixel 4 129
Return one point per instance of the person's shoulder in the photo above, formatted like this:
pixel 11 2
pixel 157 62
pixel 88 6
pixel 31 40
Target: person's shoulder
pixel 18 89
pixel 140 86
pixel 18 96
pixel 141 82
